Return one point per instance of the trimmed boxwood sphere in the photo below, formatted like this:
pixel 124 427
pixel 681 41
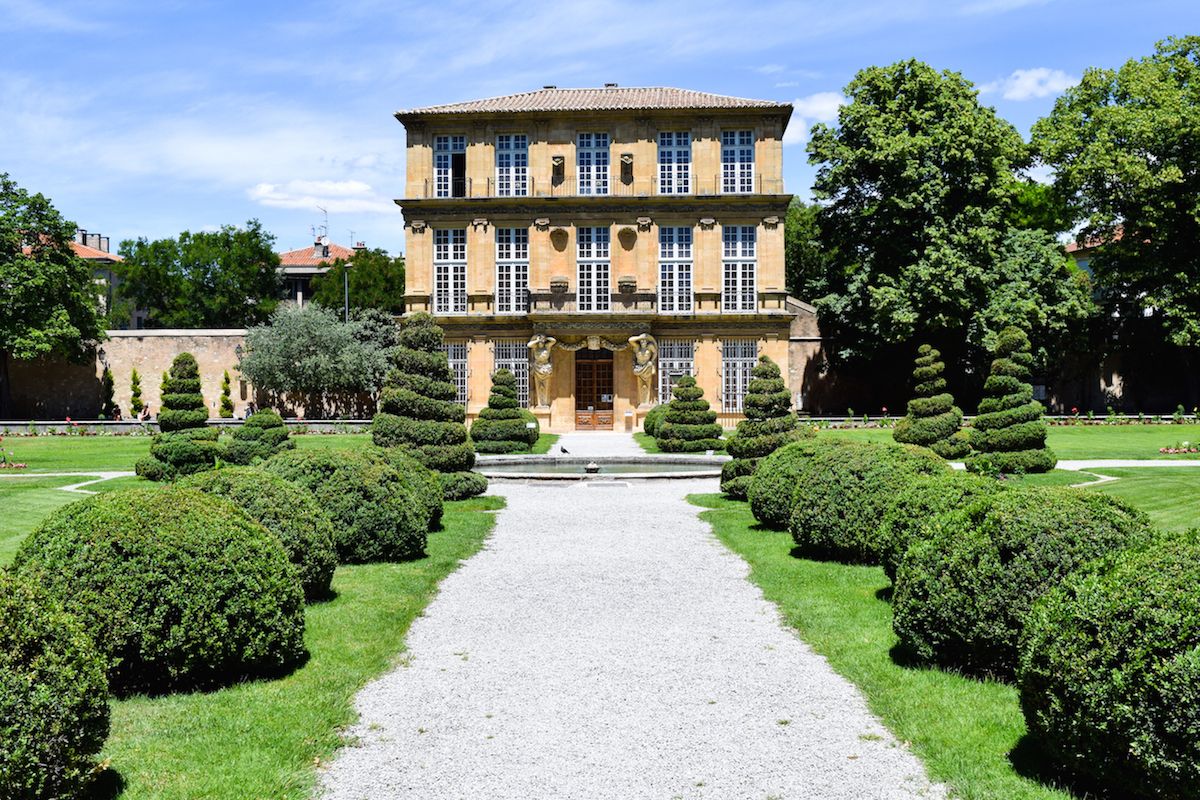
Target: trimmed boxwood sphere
pixel 1110 670
pixel 963 592
pixel 773 484
pixel 53 696
pixel 417 478
pixel 179 589
pixel 842 494
pixel 286 510
pixel 461 485
pixel 654 419
pixel 375 516
pixel 263 434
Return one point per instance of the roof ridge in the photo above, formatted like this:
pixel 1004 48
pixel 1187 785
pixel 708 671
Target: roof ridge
pixel 622 97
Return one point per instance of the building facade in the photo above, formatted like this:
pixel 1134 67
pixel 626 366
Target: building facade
pixel 600 243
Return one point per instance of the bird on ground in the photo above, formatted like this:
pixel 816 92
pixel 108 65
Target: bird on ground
pixel 564 450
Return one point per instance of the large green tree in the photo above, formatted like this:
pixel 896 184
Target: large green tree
pixel 48 300
pixel 1125 148
pixel 807 257
pixel 376 281
pixel 228 278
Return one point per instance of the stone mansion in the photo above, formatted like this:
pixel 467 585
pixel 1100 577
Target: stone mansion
pixel 602 242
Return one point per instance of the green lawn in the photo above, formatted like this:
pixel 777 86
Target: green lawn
pixel 25 502
pixel 646 441
pixel 543 444
pixel 1171 496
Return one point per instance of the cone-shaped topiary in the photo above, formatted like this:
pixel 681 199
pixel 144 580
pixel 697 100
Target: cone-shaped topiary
pixel 263 435
pixel 417 408
pixel 186 444
pixel 689 427
pixel 769 425
pixel 933 420
pixel 501 426
pixel 108 403
pixel 135 393
pixel 1009 432
pixel 226 401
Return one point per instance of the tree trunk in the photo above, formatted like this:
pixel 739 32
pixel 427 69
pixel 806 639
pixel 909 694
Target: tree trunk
pixel 5 387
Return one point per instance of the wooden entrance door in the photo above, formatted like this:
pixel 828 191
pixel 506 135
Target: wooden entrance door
pixel 593 390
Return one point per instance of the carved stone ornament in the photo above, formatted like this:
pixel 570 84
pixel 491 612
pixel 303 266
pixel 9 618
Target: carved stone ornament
pixel 627 284
pixel 479 222
pixel 541 223
pixel 593 341
pixel 418 225
pixel 707 222
pixel 541 349
pixel 645 365
pixel 644 223
pixel 626 158
pixel 558 161
pixel 770 222
pixel 558 284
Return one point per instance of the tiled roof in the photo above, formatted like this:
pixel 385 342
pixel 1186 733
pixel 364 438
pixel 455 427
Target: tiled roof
pixel 608 98
pixel 311 256
pixel 84 252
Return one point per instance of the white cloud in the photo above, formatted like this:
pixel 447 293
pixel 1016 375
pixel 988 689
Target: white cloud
pixel 338 197
pixel 770 69
pixel 819 107
pixel 1024 84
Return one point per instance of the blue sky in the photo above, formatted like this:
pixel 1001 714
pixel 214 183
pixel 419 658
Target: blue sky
pixel 146 119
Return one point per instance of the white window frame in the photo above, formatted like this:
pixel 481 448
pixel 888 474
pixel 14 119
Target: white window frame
pixel 444 148
pixel 512 165
pixel 737 162
pixel 674 162
pixel 738 357
pixel 739 291
pixel 513 355
pixel 592 163
pixel 449 271
pixel 676 358
pixel 512 270
pixel 593 283
pixel 456 354
pixel 675 270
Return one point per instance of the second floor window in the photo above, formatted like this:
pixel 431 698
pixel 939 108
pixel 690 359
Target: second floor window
pixel 591 162
pixel 450 166
pixel 674 269
pixel 512 165
pixel 674 163
pixel 592 278
pixel 737 162
pixel 449 271
pixel 738 292
pixel 512 270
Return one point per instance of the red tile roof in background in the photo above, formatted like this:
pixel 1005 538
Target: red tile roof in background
pixel 308 256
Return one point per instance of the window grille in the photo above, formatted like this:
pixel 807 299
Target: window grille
pixel 593 291
pixel 449 271
pixel 674 270
pixel 739 292
pixel 737 162
pixel 512 270
pixel 738 357
pixel 512 165
pixel 513 355
pixel 456 352
pixel 676 358
pixel 591 162
pixel 674 162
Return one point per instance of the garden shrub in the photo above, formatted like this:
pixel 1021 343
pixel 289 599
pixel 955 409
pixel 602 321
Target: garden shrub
pixel 774 482
pixel 500 427
pixel 375 516
pixel 461 485
pixel 178 589
pixel 53 696
pixel 841 495
pixel 1009 431
pixel 689 426
pixel 182 403
pixel 288 511
pixel 654 419
pixel 226 411
pixel 418 479
pixel 963 592
pixel 108 403
pixel 918 504
pixel 769 425
pixel 1110 671
pixel 186 444
pixel 261 436
pixel 418 408
pixel 932 420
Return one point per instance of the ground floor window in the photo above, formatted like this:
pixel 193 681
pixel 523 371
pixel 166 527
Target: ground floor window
pixel 675 359
pixel 513 355
pixel 738 357
pixel 456 352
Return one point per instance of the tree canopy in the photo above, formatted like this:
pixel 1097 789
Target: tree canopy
pixel 227 278
pixel 376 281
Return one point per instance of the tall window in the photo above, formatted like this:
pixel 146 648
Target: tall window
pixel 513 355
pixel 738 291
pixel 675 270
pixel 449 271
pixel 675 359
pixel 738 357
pixel 737 162
pixel 674 163
pixel 592 283
pixel 456 352
pixel 591 162
pixel 512 270
pixel 512 165
pixel 450 166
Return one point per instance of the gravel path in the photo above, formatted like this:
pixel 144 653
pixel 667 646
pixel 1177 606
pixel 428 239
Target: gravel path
pixel 605 645
pixel 598 443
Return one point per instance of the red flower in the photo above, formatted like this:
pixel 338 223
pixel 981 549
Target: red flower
pixel 885 409
pixel 68 419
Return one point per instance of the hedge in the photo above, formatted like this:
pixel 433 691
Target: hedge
pixel 261 436
pixel 769 425
pixel 179 590
pixel 774 483
pixel 689 426
pixel 962 593
pixel 932 420
pixel 461 485
pixel 842 495
pixel 186 444
pixel 654 419
pixel 421 481
pixel 1009 431
pixel 1110 671
pixel 287 511
pixel 53 696
pixel 500 427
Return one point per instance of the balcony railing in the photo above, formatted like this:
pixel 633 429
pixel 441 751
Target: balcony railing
pixel 571 187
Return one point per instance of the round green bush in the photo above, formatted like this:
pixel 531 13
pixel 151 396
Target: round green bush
pixel 418 479
pixel 918 504
pixel 178 589
pixel 773 485
pixel 53 696
pixel 768 426
pixel 841 496
pixel 261 436
pixel 932 420
pixel 654 419
pixel 286 510
pixel 375 515
pixel 1110 671
pixel 963 592
pixel 461 485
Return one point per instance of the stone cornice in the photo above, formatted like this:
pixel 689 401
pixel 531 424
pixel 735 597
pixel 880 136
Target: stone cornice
pixel 469 209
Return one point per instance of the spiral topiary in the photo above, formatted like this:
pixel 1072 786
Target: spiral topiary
pixel 186 444
pixel 261 436
pixel 689 426
pixel 769 425
pixel 417 407
pixel 500 427
pixel 1009 432
pixel 932 420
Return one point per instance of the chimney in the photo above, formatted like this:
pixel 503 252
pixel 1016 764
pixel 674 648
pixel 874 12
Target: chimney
pixel 80 236
pixel 550 86
pixel 360 245
pixel 104 244
pixel 610 86
pixel 93 241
